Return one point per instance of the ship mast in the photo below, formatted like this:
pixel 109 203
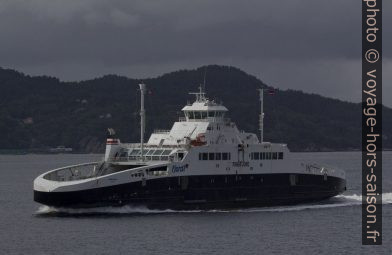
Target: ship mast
pixel 142 118
pixel 200 96
pixel 261 117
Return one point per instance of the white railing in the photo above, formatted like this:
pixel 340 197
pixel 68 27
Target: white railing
pixel 318 169
pixel 74 172
pixel 153 146
pixel 137 159
pixel 161 131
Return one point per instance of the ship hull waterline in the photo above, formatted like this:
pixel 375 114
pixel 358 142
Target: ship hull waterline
pixel 203 192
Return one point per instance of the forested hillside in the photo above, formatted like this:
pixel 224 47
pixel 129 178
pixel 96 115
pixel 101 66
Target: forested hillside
pixel 42 112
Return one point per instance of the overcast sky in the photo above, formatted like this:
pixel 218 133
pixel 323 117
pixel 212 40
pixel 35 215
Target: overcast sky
pixel 310 45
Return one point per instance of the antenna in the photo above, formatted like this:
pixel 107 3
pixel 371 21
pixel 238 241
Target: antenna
pixel 261 117
pixel 142 118
pixel 201 95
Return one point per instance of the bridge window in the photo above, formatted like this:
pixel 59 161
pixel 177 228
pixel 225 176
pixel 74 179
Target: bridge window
pixel 256 156
pixel 218 156
pixel 274 155
pixel 262 154
pixel 225 156
pixel 197 115
pixel 280 155
pixel 211 156
pixel 204 156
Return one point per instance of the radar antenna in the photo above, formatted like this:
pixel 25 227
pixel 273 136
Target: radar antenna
pixel 201 95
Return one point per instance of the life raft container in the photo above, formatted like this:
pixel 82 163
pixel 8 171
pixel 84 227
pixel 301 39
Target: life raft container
pixel 199 141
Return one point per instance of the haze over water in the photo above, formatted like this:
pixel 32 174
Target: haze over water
pixel 330 227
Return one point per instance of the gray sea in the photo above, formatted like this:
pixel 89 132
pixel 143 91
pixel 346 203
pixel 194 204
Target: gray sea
pixel 331 227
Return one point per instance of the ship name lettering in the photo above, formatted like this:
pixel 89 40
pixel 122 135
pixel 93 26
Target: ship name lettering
pixel 241 164
pixel 176 169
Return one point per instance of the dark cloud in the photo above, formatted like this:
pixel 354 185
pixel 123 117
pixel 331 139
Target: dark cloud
pixel 300 44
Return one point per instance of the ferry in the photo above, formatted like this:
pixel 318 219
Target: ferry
pixel 203 162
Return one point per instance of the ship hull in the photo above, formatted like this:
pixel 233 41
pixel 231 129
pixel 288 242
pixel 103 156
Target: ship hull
pixel 203 192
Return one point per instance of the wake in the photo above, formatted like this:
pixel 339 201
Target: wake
pixel 338 201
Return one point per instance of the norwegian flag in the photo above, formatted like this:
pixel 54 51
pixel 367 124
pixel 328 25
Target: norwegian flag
pixel 271 92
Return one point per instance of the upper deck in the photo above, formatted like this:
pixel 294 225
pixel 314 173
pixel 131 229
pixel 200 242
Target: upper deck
pixel 203 125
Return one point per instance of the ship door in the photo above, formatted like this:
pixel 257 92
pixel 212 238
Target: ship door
pixel 184 182
pixel 293 179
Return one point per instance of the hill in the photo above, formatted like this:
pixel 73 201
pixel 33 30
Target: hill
pixel 41 112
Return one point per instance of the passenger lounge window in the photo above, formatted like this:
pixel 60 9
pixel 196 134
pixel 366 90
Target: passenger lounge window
pixel 211 156
pixel 280 155
pixel 205 156
pixel 225 156
pixel 256 156
pixel 274 155
pixel 268 155
pixel 218 156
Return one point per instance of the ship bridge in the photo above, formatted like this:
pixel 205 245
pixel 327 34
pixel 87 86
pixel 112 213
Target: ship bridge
pixel 204 123
pixel 204 109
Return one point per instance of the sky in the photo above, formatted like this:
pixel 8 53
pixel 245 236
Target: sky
pixel 308 45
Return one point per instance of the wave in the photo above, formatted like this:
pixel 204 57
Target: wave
pixel 338 201
pixel 126 209
pixel 386 197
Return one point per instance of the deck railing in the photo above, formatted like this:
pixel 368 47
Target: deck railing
pixel 161 131
pixel 318 169
pixel 75 172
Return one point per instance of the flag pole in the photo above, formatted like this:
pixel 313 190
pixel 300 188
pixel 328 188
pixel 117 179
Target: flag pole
pixel 261 117
pixel 142 118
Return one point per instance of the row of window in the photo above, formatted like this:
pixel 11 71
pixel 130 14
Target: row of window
pixel 204 114
pixel 266 155
pixel 215 156
pixel 253 156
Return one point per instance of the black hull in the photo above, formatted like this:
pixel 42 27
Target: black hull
pixel 204 192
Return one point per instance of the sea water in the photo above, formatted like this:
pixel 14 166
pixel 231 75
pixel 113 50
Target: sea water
pixel 329 227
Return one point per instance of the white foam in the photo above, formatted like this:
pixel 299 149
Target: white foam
pixel 338 201
pixel 386 197
pixel 126 209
